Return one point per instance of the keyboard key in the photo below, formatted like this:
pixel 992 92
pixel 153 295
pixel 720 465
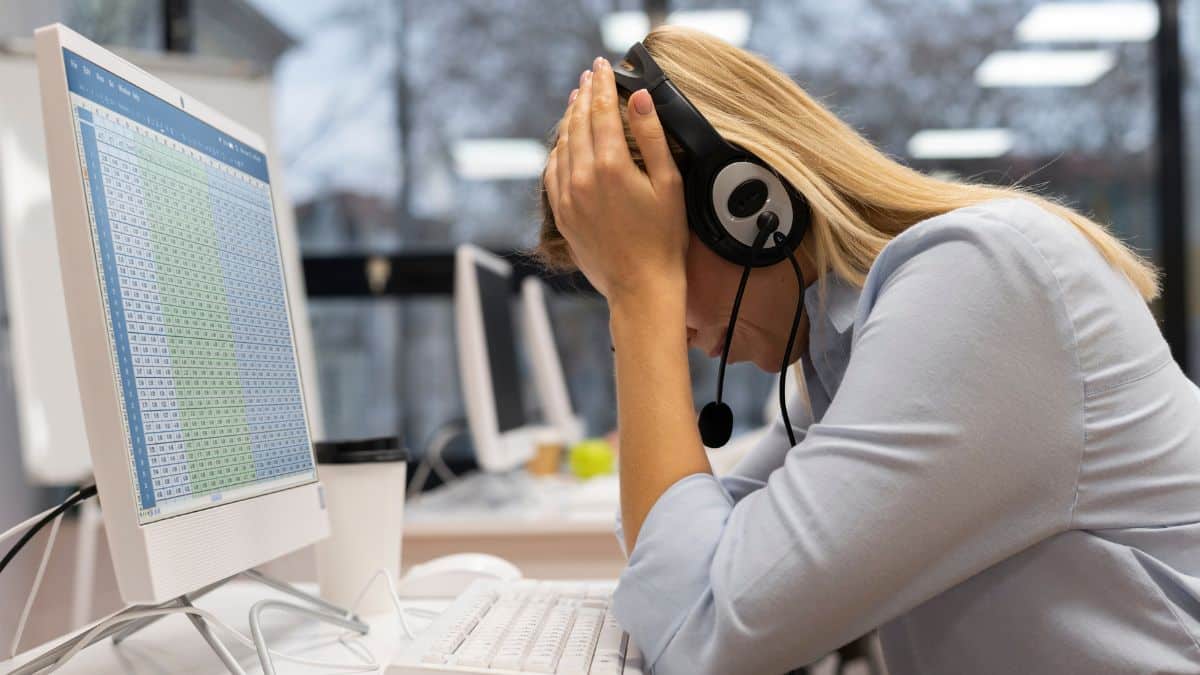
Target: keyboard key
pixel 581 642
pixel 544 654
pixel 478 649
pixel 610 647
pixel 520 634
pixel 532 627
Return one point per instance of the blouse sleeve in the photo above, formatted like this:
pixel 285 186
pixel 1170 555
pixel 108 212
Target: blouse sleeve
pixel 952 443
pixel 751 472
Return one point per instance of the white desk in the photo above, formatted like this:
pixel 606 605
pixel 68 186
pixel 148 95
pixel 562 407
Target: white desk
pixel 172 645
pixel 550 528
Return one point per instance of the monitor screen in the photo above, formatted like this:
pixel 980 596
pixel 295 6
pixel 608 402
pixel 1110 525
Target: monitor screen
pixel 495 296
pixel 183 229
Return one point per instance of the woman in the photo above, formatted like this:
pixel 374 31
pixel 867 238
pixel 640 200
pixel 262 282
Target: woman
pixel 998 462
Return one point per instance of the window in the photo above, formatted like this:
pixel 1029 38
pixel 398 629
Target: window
pixel 406 88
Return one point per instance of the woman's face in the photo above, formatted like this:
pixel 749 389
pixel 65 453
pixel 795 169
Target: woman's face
pixel 764 320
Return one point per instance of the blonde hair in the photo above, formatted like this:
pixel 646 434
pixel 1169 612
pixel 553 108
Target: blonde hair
pixel 861 199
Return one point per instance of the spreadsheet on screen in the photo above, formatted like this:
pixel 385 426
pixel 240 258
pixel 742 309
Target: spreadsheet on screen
pixel 183 229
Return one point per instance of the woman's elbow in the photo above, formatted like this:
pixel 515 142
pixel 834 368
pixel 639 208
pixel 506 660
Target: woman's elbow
pixel 732 638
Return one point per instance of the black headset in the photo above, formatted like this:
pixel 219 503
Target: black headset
pixel 726 188
pixel 736 204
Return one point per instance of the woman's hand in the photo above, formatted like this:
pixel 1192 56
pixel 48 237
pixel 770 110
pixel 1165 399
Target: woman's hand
pixel 627 230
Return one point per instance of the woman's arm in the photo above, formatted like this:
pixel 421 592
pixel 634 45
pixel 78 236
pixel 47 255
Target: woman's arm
pixel 952 444
pixel 659 440
pixel 628 233
pixel 769 452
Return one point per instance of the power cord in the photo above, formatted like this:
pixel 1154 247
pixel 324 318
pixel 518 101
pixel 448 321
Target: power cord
pixel 25 524
pixel 31 527
pixel 48 517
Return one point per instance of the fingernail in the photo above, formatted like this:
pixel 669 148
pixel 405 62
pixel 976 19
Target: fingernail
pixel 587 78
pixel 583 77
pixel 599 63
pixel 642 102
pixel 571 98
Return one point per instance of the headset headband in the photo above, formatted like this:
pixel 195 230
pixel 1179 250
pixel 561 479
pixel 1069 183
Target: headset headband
pixel 678 116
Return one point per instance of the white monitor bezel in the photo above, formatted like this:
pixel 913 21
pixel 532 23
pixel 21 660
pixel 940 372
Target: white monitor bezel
pixel 166 558
pixel 495 451
pixel 544 358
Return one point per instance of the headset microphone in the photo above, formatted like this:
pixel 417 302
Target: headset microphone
pixel 716 418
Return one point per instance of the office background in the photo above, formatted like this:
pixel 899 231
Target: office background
pixel 408 126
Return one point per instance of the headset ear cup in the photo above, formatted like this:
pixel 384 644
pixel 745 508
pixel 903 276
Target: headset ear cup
pixel 724 202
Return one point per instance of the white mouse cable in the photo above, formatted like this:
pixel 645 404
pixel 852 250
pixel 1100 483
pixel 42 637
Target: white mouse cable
pixel 259 641
pixel 395 595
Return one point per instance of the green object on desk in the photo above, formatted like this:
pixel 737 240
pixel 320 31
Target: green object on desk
pixel 590 458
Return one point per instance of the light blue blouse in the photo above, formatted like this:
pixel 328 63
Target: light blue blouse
pixel 1000 470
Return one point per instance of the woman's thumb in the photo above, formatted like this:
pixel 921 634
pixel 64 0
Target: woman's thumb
pixel 651 140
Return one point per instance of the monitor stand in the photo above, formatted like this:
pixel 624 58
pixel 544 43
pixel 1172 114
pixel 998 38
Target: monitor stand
pixel 121 630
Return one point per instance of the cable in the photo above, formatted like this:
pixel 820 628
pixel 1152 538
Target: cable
pixel 787 352
pixel 37 584
pixel 432 458
pixel 440 467
pixel 370 663
pixel 737 305
pixel 716 418
pixel 211 618
pixel 80 495
pixel 26 523
pixel 259 642
pixel 387 576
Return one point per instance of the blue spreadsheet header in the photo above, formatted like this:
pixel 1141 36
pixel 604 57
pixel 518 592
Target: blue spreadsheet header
pixel 100 86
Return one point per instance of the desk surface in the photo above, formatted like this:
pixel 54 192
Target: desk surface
pixel 173 645
pixel 514 504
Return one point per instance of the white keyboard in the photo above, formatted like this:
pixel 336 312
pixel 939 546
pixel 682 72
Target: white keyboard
pixel 523 627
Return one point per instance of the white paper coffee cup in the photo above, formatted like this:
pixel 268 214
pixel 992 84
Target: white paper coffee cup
pixel 364 494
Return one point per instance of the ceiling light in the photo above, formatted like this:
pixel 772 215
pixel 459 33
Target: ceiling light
pixel 960 143
pixel 499 158
pixel 1075 68
pixel 731 25
pixel 620 30
pixel 1090 22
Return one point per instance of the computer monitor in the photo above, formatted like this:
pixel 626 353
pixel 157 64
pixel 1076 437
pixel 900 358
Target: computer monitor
pixel 52 438
pixel 489 362
pixel 548 377
pixel 180 326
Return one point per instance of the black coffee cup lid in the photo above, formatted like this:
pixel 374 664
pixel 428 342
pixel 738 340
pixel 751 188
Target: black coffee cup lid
pixel 361 451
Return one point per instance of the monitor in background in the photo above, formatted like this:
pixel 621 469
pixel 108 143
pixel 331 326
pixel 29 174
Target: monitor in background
pixel 180 325
pixel 489 362
pixel 499 332
pixel 547 366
